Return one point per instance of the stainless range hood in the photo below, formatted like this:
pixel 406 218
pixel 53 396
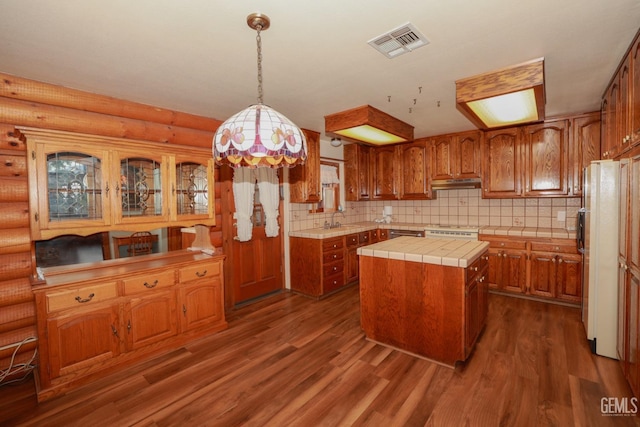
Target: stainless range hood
pixel 455 184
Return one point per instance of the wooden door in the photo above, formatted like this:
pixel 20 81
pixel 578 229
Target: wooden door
pixel 357 172
pixel 384 176
pixel 414 171
pixel 501 168
pixel 610 121
pixel 364 172
pixel 513 271
pixel 304 180
pixel 254 268
pixel 543 274
pixel 634 103
pixel 150 319
pixel 199 303
pixel 442 157
pixel 632 336
pixel 624 107
pixel 467 155
pixel 95 335
pixel 568 278
pixel 546 149
pixel 585 148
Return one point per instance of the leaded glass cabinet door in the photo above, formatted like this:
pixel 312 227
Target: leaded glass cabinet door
pixel 193 190
pixel 71 190
pixel 140 195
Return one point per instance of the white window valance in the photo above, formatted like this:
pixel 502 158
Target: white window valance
pixel 329 174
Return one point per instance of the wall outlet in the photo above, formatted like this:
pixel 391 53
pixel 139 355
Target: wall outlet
pixel 562 216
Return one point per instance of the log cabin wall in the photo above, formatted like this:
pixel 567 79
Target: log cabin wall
pixel 30 103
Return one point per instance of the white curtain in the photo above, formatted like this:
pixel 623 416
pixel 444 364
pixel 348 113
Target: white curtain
pixel 269 198
pixel 243 190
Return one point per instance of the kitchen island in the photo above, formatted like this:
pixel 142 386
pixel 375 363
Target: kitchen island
pixel 427 297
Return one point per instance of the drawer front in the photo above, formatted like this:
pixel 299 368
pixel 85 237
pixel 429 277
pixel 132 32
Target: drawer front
pixel 332 244
pixel 149 281
pixel 364 238
pixel 331 283
pixel 507 244
pixel 81 296
pixel 562 248
pixel 476 267
pixel 383 234
pixel 199 271
pixel 333 268
pixel 352 240
pixel 332 256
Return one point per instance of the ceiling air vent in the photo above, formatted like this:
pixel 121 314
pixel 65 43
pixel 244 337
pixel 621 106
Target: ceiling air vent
pixel 400 40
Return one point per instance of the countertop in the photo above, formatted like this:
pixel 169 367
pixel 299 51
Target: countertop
pixel 453 253
pixel 344 229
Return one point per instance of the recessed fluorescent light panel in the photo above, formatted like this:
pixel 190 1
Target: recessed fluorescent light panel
pixel 398 41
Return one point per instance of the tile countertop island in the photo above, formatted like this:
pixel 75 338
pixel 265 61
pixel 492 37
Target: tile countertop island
pixel 427 297
pixel 453 253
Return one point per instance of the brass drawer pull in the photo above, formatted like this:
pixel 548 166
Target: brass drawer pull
pixel 81 300
pixel 149 286
pixel 204 273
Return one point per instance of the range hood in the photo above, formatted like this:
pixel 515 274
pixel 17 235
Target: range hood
pixel 455 184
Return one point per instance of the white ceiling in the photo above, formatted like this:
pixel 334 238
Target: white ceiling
pixel 199 56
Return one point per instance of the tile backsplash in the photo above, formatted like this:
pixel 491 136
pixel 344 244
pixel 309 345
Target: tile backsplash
pixel 451 207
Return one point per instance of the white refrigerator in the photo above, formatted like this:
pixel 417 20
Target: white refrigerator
pixel 597 235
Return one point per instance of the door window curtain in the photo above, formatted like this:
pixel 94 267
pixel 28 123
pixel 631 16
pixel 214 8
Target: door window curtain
pixel 243 189
pixel 269 199
pixel 244 180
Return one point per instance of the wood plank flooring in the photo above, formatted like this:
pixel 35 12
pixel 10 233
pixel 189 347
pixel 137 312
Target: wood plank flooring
pixel 292 361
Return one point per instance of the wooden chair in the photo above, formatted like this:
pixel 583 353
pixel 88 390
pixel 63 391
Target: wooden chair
pixel 140 243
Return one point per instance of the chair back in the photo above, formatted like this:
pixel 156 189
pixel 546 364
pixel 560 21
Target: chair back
pixel 141 243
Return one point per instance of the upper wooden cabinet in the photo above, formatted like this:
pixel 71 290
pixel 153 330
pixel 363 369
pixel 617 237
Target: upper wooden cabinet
pixel 357 159
pixel 502 163
pixel 621 106
pixel 585 147
pixel 546 161
pixel 456 155
pixel 84 184
pixel 304 180
pixel 415 182
pixel 384 173
pixel 530 161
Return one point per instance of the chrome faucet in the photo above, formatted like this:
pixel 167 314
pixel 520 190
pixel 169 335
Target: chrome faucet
pixel 335 224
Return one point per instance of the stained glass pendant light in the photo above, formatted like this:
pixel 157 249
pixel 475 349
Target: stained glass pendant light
pixel 259 136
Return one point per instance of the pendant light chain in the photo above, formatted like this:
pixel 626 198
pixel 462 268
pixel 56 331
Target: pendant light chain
pixel 259 43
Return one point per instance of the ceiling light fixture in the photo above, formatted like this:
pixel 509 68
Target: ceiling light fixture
pixel 336 142
pixel 259 136
pixel 369 125
pixel 506 97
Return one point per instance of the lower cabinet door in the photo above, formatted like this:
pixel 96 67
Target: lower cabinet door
pixel 150 319
pixel 201 304
pixel 83 339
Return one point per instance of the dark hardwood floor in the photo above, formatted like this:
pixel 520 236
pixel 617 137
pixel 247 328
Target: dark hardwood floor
pixel 292 361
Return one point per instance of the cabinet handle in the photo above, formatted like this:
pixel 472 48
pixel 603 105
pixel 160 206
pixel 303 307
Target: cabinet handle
pixel 173 189
pixel 559 260
pixel 184 310
pixel 106 190
pixel 204 273
pixel 147 285
pixel 335 268
pixel 475 268
pixel 335 256
pixel 82 300
pixel 129 326
pixel 553 259
pixel 114 331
